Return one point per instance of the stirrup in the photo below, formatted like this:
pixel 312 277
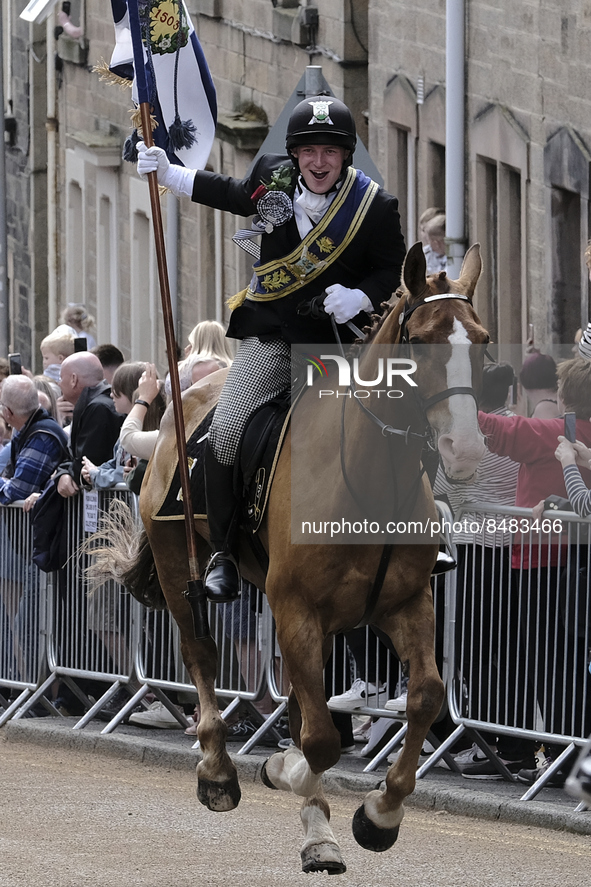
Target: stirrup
pixel 233 585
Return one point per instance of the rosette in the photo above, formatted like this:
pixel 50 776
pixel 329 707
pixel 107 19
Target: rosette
pixel 275 208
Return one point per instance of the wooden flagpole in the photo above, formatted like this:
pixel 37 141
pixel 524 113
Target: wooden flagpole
pixel 195 593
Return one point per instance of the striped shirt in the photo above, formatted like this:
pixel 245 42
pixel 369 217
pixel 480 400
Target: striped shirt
pixel 495 483
pixel 578 493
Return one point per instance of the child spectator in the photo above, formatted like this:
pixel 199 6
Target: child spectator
pixel 572 457
pixel 435 250
pixel 54 350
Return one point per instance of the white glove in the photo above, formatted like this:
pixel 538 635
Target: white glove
pixel 177 179
pixel 345 303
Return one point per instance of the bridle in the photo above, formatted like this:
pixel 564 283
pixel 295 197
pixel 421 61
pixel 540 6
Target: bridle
pixel 423 404
pixel 403 338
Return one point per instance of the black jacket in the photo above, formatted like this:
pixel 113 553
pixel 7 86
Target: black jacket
pixel 371 263
pixel 95 430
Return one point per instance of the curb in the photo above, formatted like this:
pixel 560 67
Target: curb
pixel 426 796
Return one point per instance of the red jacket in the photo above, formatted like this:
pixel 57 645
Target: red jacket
pixel 532 443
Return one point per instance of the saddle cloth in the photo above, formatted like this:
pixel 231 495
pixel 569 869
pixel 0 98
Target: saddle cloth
pixel 254 469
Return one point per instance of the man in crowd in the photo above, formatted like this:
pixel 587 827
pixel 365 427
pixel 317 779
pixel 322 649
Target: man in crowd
pixel 95 422
pixel 110 357
pixel 38 443
pixel 38 446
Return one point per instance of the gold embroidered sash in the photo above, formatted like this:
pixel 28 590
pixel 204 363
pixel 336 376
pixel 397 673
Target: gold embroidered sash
pixel 319 248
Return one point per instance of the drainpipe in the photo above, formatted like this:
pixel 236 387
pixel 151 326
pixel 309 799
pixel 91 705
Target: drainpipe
pixel 314 82
pixel 455 161
pixel 52 136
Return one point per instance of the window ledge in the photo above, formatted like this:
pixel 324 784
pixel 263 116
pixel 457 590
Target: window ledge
pixel 246 135
pixel 97 148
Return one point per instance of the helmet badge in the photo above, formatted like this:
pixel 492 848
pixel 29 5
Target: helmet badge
pixel 320 113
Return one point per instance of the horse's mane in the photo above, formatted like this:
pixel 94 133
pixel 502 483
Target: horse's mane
pixel 378 320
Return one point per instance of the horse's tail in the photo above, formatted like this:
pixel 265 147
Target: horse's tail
pixel 121 553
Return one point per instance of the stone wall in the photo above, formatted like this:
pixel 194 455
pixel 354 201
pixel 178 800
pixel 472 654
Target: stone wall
pixel 528 128
pixel 531 61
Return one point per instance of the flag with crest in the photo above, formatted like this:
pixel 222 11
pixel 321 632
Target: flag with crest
pixel 157 47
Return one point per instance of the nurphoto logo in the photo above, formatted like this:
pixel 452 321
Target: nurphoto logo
pixel 388 371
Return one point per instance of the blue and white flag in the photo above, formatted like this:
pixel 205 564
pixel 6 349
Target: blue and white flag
pixel 158 40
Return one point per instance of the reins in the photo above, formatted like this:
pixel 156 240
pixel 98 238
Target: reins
pixel 386 430
pixel 423 404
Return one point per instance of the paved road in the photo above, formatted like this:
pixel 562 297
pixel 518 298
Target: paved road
pixel 69 819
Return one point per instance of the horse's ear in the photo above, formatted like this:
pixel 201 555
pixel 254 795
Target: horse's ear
pixel 414 269
pixel 471 270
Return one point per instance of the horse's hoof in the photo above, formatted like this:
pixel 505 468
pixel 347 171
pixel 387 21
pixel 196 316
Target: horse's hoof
pixel 265 777
pixel 369 836
pixel 323 858
pixel 219 796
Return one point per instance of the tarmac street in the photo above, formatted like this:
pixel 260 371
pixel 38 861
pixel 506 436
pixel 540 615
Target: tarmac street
pixel 70 817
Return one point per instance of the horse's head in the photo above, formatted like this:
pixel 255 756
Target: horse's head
pixel 436 311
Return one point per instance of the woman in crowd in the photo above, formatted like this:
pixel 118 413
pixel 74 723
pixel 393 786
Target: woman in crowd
pixel 123 393
pixel 76 320
pixel 208 350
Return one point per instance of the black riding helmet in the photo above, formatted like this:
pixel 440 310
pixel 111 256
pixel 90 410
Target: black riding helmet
pixel 321 120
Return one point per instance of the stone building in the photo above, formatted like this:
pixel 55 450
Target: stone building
pixel 79 217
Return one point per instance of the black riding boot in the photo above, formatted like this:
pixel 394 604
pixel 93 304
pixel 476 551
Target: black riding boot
pixel 222 577
pixel 444 562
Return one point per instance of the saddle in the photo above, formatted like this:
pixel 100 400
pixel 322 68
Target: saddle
pixel 255 465
pixel 258 454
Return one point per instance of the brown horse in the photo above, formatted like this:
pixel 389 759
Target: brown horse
pixel 317 591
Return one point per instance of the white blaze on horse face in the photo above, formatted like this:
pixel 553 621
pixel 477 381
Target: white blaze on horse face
pixel 461 444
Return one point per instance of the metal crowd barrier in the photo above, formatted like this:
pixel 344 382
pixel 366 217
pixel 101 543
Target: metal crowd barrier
pixel 514 643
pixel 241 669
pixel 519 636
pixel 22 613
pixel 87 639
pixel 51 630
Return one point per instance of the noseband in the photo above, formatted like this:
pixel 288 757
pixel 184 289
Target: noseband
pixel 428 402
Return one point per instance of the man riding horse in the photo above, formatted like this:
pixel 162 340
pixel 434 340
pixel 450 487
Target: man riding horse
pixel 325 227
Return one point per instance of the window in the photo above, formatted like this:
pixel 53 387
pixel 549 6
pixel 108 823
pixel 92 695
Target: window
pixel 107 290
pixel 499 161
pixel 431 151
pixel 399 181
pixel 566 168
pixel 566 259
pixel 435 178
pixel 401 114
pixel 144 317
